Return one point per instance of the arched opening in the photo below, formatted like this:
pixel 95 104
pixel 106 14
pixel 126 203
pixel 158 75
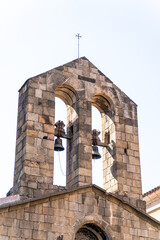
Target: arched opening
pixel 59 174
pixel 105 107
pixel 97 165
pixel 91 231
pixel 65 99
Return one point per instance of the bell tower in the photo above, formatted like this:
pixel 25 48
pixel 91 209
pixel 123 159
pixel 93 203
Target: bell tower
pixel 80 85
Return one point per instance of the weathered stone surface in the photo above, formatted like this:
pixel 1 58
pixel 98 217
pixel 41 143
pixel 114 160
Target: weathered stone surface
pixel 49 128
pixel 38 93
pixel 65 214
pixel 80 85
pixel 32 116
pixel 32 133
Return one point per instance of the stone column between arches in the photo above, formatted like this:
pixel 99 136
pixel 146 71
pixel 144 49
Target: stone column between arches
pixel 79 148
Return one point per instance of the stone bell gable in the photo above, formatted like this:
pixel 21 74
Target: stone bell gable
pixel 37 209
pixel 80 85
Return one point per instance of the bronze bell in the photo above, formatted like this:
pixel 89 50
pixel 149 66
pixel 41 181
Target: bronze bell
pixel 95 152
pixel 58 145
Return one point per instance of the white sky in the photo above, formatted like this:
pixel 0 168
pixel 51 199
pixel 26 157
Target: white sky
pixel 121 37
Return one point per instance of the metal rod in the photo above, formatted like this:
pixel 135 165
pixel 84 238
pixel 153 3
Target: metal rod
pixel 100 144
pixel 63 136
pixel 78 37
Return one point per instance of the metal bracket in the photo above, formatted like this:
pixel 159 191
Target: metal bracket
pixel 96 140
pixel 60 237
pixel 59 130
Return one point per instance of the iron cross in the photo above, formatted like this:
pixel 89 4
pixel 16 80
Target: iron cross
pixel 78 37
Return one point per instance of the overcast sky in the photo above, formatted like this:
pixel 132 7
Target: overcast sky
pixel 121 37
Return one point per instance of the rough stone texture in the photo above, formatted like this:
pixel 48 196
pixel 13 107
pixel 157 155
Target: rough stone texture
pixel 79 84
pixel 62 215
pixel 77 211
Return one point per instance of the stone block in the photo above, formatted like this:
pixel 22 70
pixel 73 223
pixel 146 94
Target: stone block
pixel 42 134
pixel 119 135
pixel 136 190
pixel 49 128
pixel 48 144
pixel 32 100
pixel 14 232
pixel 119 127
pixel 31 149
pixel 125 159
pixel 39 235
pixel 42 119
pixel 52 236
pixel 73 206
pixel 129 137
pixel 34 164
pixel 30 124
pixel 45 172
pixel 48 111
pixel 29 107
pixel 26 234
pixel 50 153
pixel 3 230
pixel 37 217
pixel 48 95
pixel 142 233
pixel 31 92
pixel 135 130
pixel 121 144
pixel 93 75
pixel 26 225
pixel 32 185
pixel 44 165
pixel 133 146
pixel 37 109
pixel 129 129
pixel 137 176
pixel 85 172
pixel 32 171
pixel 131 168
pixel 20 214
pixel 153 234
pixel 38 93
pixel 130 152
pixel 134 161
pixel 45 226
pixel 32 133
pixel 136 154
pixel 120 150
pixel 51 137
pixel 32 117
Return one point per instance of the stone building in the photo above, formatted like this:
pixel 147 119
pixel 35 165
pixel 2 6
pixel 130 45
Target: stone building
pixel 37 209
pixel 152 199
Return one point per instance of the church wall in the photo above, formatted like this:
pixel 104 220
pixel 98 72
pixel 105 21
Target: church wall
pixel 62 215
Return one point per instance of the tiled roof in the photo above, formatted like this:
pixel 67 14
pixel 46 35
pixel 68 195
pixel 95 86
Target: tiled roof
pixel 151 191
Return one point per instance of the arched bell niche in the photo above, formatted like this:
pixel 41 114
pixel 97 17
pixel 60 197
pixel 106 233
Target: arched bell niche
pixel 97 164
pixel 91 231
pixel 59 174
pixel 105 106
pixel 69 97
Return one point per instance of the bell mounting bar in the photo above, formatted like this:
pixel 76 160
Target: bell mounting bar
pixel 96 140
pixel 59 130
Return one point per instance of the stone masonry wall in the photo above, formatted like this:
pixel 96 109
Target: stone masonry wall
pixel 33 175
pixel 79 84
pixel 64 214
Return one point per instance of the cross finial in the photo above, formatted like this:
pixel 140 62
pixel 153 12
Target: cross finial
pixel 78 37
